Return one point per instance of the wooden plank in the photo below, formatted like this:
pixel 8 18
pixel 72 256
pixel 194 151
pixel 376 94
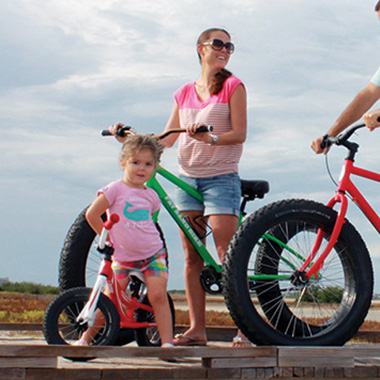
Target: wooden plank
pixel 364 351
pixel 12 374
pixel 315 357
pixel 252 362
pixel 7 350
pixel 66 374
pixel 32 362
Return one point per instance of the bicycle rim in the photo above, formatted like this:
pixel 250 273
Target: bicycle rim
pixel 291 304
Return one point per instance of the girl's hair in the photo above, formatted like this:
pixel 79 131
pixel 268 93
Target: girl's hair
pixel 377 6
pixel 221 75
pixel 136 143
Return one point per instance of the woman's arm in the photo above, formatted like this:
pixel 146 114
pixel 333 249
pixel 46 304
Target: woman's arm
pixel 95 211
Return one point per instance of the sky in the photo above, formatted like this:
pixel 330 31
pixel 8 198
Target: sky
pixel 71 68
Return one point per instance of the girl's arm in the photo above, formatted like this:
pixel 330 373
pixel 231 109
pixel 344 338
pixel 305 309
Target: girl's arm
pixel 172 123
pixel 95 211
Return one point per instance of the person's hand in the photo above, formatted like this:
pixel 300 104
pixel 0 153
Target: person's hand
pixel 316 146
pixel 371 119
pixel 113 129
pixel 191 130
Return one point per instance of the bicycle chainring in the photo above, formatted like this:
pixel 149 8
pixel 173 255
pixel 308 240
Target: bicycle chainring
pixel 211 280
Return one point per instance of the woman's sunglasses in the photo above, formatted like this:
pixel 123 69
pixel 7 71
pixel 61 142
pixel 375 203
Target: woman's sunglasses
pixel 218 45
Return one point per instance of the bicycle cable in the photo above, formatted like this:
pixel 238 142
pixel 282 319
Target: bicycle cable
pixel 328 169
pixel 331 176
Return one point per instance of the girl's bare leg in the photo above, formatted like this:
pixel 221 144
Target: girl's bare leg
pixel 158 298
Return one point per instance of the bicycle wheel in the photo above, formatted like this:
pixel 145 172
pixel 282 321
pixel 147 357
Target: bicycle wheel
pixel 272 302
pixel 61 327
pixel 150 336
pixel 79 263
pixel 79 260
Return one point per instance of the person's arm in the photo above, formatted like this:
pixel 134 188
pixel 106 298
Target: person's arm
pixel 371 119
pixel 363 101
pixel 238 114
pixel 95 211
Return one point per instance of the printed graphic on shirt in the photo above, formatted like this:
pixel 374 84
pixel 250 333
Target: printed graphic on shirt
pixel 136 215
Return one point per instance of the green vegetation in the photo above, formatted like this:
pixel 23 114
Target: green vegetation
pixel 331 294
pixel 28 287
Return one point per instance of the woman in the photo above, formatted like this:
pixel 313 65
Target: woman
pixel 209 162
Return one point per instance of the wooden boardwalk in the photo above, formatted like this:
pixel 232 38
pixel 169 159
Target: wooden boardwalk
pixel 24 358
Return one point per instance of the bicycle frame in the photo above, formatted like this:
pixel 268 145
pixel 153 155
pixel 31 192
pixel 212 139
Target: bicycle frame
pixel 126 305
pixel 345 186
pixel 177 216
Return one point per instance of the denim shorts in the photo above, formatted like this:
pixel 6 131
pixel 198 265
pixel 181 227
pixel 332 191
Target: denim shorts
pixel 221 195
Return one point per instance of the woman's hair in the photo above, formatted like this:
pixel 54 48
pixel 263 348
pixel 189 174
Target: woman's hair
pixel 221 75
pixel 377 6
pixel 136 143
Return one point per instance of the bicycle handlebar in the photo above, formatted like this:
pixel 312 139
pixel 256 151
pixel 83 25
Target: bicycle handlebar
pixel 107 226
pixel 124 131
pixel 341 139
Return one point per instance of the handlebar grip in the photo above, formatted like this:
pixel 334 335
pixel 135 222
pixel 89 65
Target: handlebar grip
pixel 122 132
pixel 205 128
pixel 113 219
pixel 325 143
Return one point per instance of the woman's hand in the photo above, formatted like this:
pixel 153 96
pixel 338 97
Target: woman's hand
pixel 371 119
pixel 191 130
pixel 114 129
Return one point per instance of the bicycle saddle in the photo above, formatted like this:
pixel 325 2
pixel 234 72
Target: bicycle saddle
pixel 250 189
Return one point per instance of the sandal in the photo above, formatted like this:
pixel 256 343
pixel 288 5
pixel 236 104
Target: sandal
pixel 186 340
pixel 238 342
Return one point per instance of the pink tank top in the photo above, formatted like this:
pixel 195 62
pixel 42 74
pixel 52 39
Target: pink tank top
pixel 197 159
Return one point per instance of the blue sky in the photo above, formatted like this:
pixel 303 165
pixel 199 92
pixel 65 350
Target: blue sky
pixel 69 69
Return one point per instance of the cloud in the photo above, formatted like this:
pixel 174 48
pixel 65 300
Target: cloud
pixel 70 69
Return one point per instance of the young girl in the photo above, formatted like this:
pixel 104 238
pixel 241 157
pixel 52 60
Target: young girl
pixel 137 243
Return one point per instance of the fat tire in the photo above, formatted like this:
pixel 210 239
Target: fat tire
pixel 150 336
pixel 255 320
pixel 70 303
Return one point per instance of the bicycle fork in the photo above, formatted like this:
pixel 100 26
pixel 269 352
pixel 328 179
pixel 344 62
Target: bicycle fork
pixel 88 313
pixel 318 264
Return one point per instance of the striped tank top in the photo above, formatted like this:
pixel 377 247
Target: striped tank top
pixel 197 159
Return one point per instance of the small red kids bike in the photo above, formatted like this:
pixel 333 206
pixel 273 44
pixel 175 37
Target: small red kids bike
pixel 84 310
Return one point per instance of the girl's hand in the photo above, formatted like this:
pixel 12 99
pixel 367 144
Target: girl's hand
pixel 371 119
pixel 114 129
pixel 191 130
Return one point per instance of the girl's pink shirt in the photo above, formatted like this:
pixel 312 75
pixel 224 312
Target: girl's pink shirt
pixel 196 158
pixel 135 237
